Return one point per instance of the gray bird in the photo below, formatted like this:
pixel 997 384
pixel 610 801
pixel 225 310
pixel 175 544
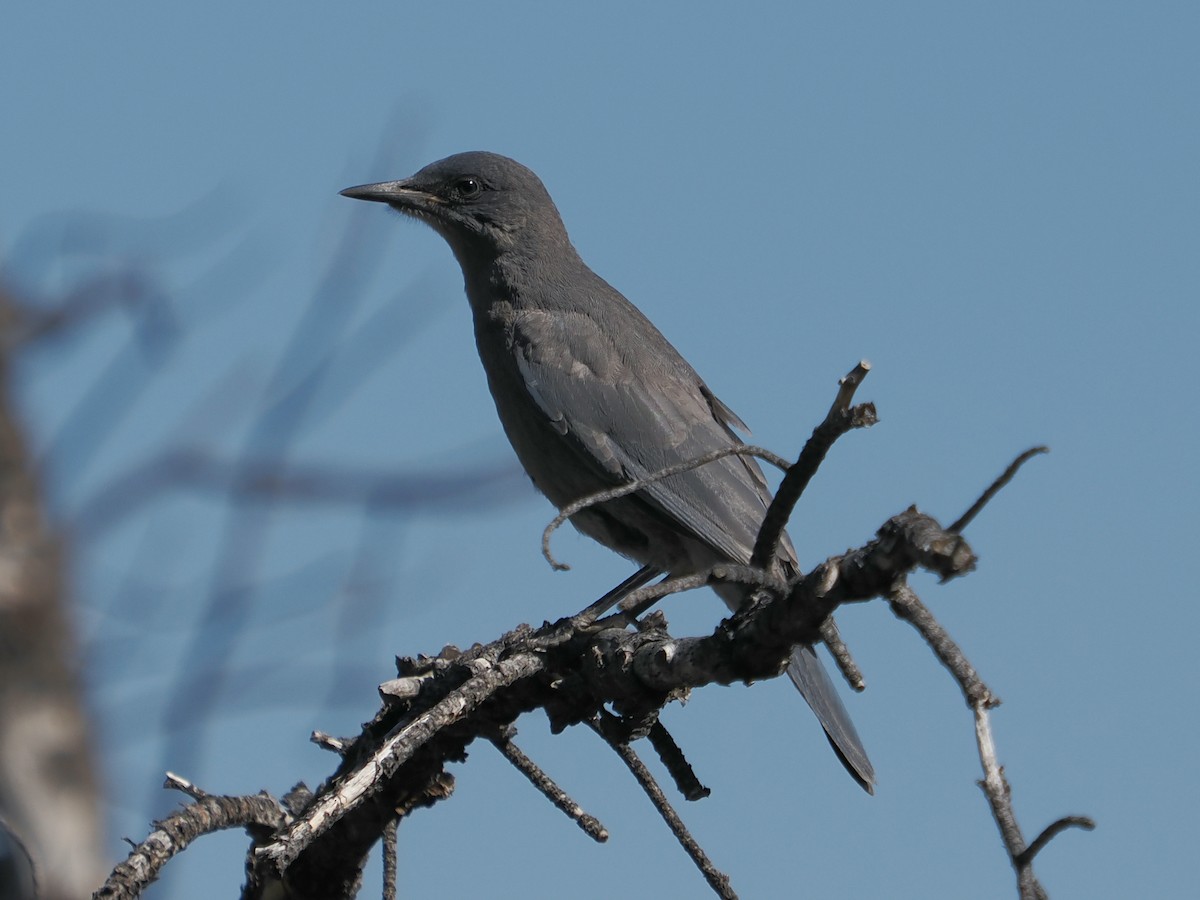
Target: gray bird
pixel 591 395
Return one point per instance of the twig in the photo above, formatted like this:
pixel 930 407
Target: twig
pixel 1050 832
pixel 171 781
pixel 840 419
pixel 996 486
pixel 995 786
pixel 637 602
pixel 999 797
pixel 604 725
pixel 590 825
pixel 677 765
pixel 329 742
pixel 908 606
pixel 841 655
pixel 389 859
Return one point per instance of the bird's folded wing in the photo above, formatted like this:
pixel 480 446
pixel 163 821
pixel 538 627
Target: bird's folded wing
pixel 629 422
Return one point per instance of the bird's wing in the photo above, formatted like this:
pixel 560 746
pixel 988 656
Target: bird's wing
pixel 632 410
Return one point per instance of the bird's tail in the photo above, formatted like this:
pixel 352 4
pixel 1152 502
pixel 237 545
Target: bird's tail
pixel 811 679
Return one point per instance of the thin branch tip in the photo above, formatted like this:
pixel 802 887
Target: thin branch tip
pixel 995 487
pixel 848 384
pixel 589 824
pixel 1051 831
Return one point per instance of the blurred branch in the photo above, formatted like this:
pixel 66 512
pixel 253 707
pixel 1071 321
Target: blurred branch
pixel 49 792
pixel 279 481
pixel 287 403
pixel 125 291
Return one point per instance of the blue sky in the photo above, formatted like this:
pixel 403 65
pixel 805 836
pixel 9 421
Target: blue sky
pixel 996 204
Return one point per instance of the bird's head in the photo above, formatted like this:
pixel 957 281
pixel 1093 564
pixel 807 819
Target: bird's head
pixel 483 204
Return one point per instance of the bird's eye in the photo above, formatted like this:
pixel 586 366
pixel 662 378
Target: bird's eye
pixel 468 187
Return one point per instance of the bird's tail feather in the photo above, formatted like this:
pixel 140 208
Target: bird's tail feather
pixel 811 679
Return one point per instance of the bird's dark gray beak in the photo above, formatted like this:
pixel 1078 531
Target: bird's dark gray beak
pixel 396 192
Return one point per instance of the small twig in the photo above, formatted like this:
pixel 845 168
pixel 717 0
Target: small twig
pixel 996 486
pixel 1050 832
pixel 999 797
pixel 604 725
pixel 908 606
pixel 637 602
pixel 639 483
pixel 840 419
pixel 329 742
pixel 173 782
pixel 676 763
pixel 591 826
pixel 389 859
pixel 841 655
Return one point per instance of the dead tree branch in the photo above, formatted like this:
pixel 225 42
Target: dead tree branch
pixel 260 815
pixel 609 728
pixel 579 668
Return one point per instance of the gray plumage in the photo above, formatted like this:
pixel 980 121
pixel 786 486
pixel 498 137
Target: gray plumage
pixel 591 395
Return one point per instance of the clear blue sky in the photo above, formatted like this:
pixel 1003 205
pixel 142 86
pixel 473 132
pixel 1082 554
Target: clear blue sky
pixel 997 204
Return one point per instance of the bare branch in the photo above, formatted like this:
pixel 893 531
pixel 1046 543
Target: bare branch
pixel 995 487
pixel 605 725
pixel 841 655
pixel 840 419
pixel 389 859
pixel 677 765
pixel 1050 832
pixel 181 784
pixel 280 481
pixel 590 825
pixel 908 606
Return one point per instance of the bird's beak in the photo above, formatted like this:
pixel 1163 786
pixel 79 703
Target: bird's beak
pixel 398 193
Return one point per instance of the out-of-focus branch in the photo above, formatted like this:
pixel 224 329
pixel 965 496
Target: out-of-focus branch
pixel 49 791
pixel 280 482
pixel 123 291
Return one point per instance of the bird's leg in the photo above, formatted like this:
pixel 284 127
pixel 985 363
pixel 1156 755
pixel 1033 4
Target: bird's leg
pixel 641 577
